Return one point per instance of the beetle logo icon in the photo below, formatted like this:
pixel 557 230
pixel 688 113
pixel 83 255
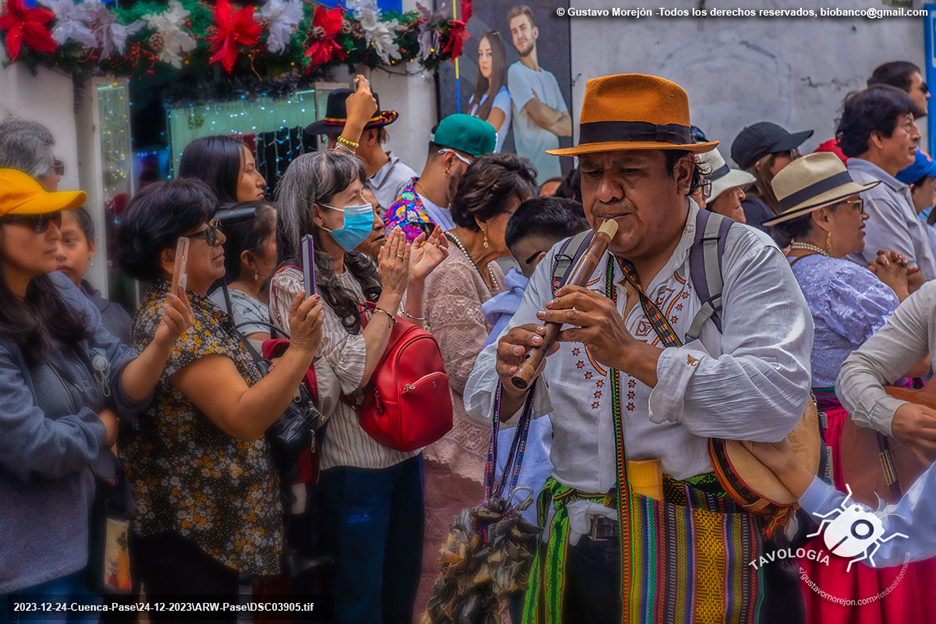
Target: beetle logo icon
pixel 854 531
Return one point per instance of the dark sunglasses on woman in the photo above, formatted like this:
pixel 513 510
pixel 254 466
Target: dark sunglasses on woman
pixel 210 233
pixel 39 223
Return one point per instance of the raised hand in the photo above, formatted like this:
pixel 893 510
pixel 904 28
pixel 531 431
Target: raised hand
pixel 427 253
pixel 177 317
pixel 393 265
pixel 305 323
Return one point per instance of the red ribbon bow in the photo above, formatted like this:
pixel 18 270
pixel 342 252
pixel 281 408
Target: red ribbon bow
pixel 323 50
pixel 232 29
pixel 458 34
pixel 27 25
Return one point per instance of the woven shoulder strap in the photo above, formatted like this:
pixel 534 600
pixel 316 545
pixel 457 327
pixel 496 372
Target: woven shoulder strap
pixel 705 270
pixel 563 262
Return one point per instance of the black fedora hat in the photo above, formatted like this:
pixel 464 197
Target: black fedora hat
pixel 336 114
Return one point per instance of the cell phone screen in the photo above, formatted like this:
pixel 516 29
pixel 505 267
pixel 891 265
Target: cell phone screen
pixel 308 264
pixel 178 268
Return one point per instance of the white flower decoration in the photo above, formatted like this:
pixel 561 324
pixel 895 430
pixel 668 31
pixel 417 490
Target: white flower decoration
pixel 111 34
pixel 72 21
pixel 284 16
pixel 379 34
pixel 169 24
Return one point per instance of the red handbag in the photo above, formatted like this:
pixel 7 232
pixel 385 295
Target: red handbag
pixel 407 404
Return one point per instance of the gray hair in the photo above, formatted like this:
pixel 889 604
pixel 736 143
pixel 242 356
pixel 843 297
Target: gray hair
pixel 26 146
pixel 312 179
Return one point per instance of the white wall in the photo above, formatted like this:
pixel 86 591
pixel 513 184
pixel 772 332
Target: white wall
pixel 47 98
pixel 738 71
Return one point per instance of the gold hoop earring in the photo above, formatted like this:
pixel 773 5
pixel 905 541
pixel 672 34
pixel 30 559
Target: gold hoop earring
pixel 446 171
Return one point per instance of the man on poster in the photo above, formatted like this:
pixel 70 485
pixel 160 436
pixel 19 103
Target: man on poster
pixel 540 115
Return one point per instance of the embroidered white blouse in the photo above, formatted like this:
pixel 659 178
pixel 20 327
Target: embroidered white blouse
pixel 750 383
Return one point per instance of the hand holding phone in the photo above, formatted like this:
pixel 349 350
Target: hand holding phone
pixel 308 264
pixel 179 276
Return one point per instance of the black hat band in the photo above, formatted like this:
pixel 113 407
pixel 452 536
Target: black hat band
pixel 719 173
pixel 813 190
pixel 608 131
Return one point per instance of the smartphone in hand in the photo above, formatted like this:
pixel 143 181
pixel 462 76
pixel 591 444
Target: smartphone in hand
pixel 179 276
pixel 308 264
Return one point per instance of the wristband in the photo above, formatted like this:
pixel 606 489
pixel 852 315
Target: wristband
pixel 392 317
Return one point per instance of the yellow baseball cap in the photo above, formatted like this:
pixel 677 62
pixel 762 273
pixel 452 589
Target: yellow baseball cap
pixel 21 195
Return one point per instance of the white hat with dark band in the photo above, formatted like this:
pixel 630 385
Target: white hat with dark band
pixel 722 176
pixel 812 182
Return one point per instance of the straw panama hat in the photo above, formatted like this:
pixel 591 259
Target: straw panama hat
pixel 21 195
pixel 812 182
pixel 634 112
pixel 722 176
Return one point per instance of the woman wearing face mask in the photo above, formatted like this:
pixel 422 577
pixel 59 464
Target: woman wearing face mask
pixel 65 379
pixel 249 259
pixel 206 488
pixel 75 253
pixel 226 165
pixel 378 236
pixel 370 496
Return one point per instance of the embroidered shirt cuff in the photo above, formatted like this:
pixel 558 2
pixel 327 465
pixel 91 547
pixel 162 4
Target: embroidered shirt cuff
pixel 675 369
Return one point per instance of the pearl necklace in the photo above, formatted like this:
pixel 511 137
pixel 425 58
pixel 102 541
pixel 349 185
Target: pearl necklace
pixel 451 236
pixel 809 247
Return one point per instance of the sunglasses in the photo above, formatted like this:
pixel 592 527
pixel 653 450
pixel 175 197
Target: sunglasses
pixel 859 204
pixel 59 168
pixel 457 155
pixel 210 233
pixel 39 223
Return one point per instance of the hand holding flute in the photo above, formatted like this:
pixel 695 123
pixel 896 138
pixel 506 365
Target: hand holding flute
pixel 590 318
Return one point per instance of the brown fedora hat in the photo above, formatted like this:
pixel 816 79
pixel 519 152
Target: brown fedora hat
pixel 634 112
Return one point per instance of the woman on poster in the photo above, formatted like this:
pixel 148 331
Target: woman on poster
pixel 490 100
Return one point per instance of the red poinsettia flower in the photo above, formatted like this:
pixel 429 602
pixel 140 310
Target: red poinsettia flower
pixel 326 23
pixel 455 41
pixel 27 25
pixel 233 28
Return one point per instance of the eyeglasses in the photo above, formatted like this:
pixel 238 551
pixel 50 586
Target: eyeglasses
pixel 59 168
pixel 210 233
pixel 924 87
pixel 457 155
pixel 38 223
pixel 707 188
pixel 534 256
pixel 859 204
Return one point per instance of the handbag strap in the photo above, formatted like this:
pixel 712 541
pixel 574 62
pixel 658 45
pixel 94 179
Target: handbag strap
pixel 517 447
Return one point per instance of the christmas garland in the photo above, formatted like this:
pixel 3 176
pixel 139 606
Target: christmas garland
pixel 286 40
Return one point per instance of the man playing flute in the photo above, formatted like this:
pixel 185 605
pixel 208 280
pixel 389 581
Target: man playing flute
pixel 624 377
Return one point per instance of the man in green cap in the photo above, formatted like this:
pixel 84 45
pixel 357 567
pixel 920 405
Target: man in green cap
pixel 456 141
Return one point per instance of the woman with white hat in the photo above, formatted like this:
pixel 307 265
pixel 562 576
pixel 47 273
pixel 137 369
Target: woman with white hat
pixel 824 216
pixel 726 186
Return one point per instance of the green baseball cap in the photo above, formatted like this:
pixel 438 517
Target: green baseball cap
pixel 465 133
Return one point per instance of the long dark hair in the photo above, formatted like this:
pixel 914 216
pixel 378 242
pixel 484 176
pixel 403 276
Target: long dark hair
pixel 498 74
pixel 217 161
pixel 246 236
pixel 315 179
pixel 34 322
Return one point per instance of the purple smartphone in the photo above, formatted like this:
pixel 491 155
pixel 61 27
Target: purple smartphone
pixel 308 264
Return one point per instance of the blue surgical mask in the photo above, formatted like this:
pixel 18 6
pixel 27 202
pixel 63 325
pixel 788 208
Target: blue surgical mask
pixel 358 224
